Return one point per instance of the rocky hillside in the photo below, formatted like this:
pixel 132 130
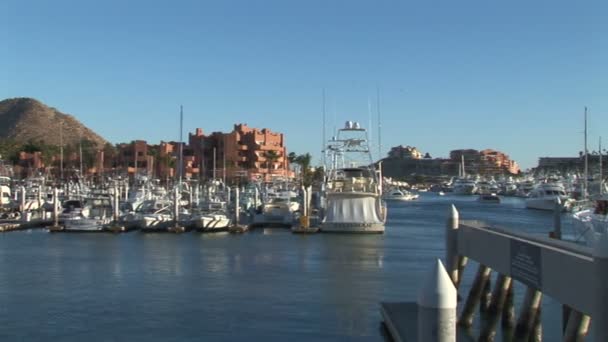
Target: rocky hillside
pixel 25 119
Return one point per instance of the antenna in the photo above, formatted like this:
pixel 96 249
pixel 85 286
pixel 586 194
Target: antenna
pixel 324 138
pixel 586 159
pixel 379 123
pixel 369 115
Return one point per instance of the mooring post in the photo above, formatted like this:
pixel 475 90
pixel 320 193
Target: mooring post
pixel 437 307
pixel 22 202
pixel 600 265
pixel 176 205
pixel 56 204
pixel 468 312
pixel 557 219
pixel 527 315
pixel 499 296
pixel 451 245
pixel 236 206
pixel 116 203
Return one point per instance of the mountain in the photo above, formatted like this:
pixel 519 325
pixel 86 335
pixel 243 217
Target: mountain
pixel 26 119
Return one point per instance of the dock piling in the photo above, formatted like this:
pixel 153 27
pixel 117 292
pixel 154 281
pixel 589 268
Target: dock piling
pixel 600 265
pixel 494 313
pixel 527 315
pixel 468 312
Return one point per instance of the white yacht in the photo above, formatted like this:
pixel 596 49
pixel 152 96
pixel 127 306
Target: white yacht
pixel 464 186
pixel 87 215
pixel 545 194
pixel 399 195
pixel 592 222
pixel 352 190
pixel 279 209
pixel 211 217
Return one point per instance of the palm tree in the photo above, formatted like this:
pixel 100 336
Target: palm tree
pixel 304 161
pixel 271 157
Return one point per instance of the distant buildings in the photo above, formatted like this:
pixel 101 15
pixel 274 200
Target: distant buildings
pixel 403 162
pixel 245 152
pixel 404 152
pixel 572 164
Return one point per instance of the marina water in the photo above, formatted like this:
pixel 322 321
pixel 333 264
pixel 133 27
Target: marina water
pixel 267 284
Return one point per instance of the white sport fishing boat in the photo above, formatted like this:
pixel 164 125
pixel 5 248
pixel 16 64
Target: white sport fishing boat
pixel 592 222
pixel 545 194
pixel 353 188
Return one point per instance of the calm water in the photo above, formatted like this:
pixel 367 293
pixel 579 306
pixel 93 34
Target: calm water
pixel 266 284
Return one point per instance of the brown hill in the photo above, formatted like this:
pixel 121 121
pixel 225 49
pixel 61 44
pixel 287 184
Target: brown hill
pixel 26 119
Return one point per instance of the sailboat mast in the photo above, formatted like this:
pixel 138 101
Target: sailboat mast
pixel 586 172
pixel 601 173
pixel 80 155
pixel 214 161
pixel 61 149
pixel 323 137
pixel 379 123
pixel 369 139
pixel 181 145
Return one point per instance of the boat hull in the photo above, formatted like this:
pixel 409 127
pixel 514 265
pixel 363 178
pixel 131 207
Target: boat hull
pixel 354 212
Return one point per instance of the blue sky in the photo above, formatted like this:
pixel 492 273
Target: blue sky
pixel 508 75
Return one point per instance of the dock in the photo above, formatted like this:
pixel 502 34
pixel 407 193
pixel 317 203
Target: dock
pixel 571 274
pixel 13 225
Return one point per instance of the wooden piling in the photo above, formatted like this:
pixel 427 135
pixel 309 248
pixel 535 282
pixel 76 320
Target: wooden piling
pixel 508 313
pixel 495 309
pixel 537 327
pixel 527 315
pixel 577 327
pixel 486 297
pixel 468 312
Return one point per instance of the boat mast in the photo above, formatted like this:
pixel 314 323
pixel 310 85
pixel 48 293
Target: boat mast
pixel 379 123
pixel 214 161
pixel 61 149
pixel 462 166
pixel 80 155
pixel 181 145
pixel 323 137
pixel 601 174
pixel 586 172
pixel 369 139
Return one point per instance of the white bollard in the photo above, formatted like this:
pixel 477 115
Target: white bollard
pixel 451 244
pixel 600 314
pixel 126 191
pixel 437 307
